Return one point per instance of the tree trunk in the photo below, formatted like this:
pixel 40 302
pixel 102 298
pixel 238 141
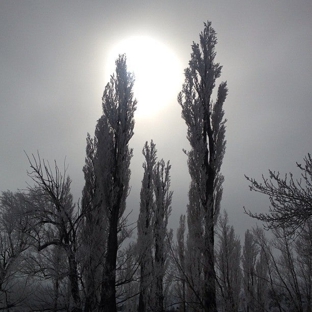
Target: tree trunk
pixel 144 281
pixel 210 304
pixel 74 284
pixel 141 307
pixel 159 263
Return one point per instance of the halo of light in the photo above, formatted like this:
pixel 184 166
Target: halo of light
pixel 157 70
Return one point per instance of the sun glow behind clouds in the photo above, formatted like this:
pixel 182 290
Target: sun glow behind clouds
pixel 157 70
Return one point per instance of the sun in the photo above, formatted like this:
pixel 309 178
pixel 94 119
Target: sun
pixel 157 70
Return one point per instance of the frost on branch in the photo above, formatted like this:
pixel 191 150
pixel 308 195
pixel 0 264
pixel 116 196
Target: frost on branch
pixel 290 198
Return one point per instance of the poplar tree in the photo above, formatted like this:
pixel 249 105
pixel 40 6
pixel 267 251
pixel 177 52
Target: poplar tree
pixel 228 262
pixel 145 227
pixel 249 259
pixel 206 134
pixel 112 170
pixel 155 209
pixel 181 263
pixel 93 232
pixel 163 199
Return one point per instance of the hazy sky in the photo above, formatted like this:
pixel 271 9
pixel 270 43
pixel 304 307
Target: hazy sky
pixel 53 70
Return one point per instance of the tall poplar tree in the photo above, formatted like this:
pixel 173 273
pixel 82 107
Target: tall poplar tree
pixel 249 259
pixel 181 289
pixel 112 170
pixel 206 134
pixel 93 230
pixel 163 199
pixel 155 209
pixel 145 227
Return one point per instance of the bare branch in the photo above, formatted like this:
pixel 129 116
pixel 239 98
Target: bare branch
pixel 290 199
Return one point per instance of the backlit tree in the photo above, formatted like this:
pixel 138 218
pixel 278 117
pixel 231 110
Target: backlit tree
pixel 206 134
pixel 145 227
pixel 112 168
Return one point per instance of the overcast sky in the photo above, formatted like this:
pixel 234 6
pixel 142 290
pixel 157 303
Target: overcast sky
pixel 53 62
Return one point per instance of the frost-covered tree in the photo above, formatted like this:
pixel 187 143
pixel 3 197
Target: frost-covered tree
pixel 262 281
pixel 303 247
pixel 290 199
pixel 93 231
pixel 286 271
pixel 180 259
pixel 112 168
pixel 127 280
pixel 185 271
pixel 282 272
pixel 162 210
pixel 267 290
pixel 194 252
pixel 228 264
pixel 56 221
pixel 155 209
pixel 16 228
pixel 249 259
pixel 206 134
pixel 145 227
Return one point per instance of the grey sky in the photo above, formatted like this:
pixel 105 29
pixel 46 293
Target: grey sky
pixel 52 63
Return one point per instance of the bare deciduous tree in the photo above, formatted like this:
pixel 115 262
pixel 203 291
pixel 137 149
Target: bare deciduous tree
pixel 15 240
pixel 55 220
